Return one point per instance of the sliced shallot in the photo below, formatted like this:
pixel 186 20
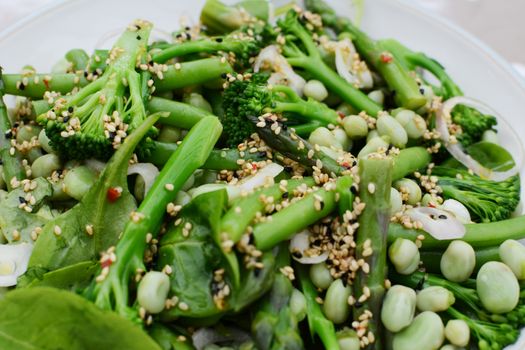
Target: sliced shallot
pixel 438 223
pixel 345 57
pixel 299 244
pixel 148 171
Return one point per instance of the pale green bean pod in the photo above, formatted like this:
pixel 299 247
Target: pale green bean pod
pixel 458 261
pixel 512 253
pixel 404 255
pixel 497 287
pixel 434 299
pixel 320 276
pixel 153 290
pixel 315 89
pixel 399 306
pixel 457 332
pixel 335 306
pixel 411 188
pixel 388 126
pixel 425 333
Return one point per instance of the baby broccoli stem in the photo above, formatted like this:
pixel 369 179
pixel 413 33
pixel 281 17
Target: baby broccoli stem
pixel 38 84
pixel 112 292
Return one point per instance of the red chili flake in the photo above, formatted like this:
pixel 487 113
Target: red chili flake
pixel 254 166
pixel 341 114
pixel 431 205
pixel 345 164
pixel 106 263
pixel 46 83
pixel 386 57
pixel 114 194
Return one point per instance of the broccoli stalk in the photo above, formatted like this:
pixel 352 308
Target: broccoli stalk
pixel 486 200
pixel 301 51
pixel 112 291
pixel 95 120
pixel 473 123
pixel 218 17
pixel 244 44
pixel 493 331
pixel 397 77
pixel 245 99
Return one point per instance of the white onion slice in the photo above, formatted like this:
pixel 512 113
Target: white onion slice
pixel 13 262
pixel 458 209
pixel 438 223
pixel 207 336
pixel 95 165
pixel 300 243
pixel 148 171
pixel 260 178
pixel 284 72
pixel 344 60
pixel 456 150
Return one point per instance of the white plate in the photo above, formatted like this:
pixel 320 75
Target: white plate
pixel 44 37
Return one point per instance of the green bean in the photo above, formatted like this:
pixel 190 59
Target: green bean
pixel 388 126
pixel 234 222
pixel 355 126
pixel 512 253
pixel 411 188
pixel 45 165
pixel 316 90
pixel 404 255
pixel 373 146
pixel 398 308
pixel 153 290
pixel 348 339
pixel 78 181
pixel 425 333
pixel 457 332
pixel 413 123
pixel 396 202
pixel 38 84
pixel 458 261
pixel 410 160
pixel 192 73
pixel 321 276
pixel 435 298
pixel 181 115
pixel 335 306
pixel 497 287
pixel 323 137
pixel 198 101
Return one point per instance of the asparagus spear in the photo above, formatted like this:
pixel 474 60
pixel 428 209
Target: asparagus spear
pixel 374 190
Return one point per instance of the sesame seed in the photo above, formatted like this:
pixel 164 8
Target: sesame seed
pixel 169 187
pixel 89 230
pixel 183 306
pixel 57 230
pixel 371 188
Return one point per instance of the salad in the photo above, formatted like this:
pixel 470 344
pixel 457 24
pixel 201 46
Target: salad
pixel 272 178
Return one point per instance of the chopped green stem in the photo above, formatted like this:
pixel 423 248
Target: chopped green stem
pixel 209 45
pixel 304 130
pixel 235 222
pixel 112 292
pixel 294 218
pixel 192 73
pixel 482 235
pixel 181 115
pixel 12 167
pixel 38 84
pixel 317 322
pixel 410 160
pixel 346 196
pixel 78 58
pixel 375 174
pixel 398 78
pixel 219 159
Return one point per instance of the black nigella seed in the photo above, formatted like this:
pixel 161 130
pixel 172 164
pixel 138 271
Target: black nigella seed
pixel 22 200
pixel 219 40
pixel 8 134
pixel 358 304
pixel 138 37
pixel 257 272
pixel 224 75
pixel 285 195
pixel 70 109
pixel 420 284
pixel 353 189
pixel 288 169
pixel 443 217
pixel 86 74
pixel 297 254
pixel 261 154
pixel 422 91
pixel 22 87
pixel 66 119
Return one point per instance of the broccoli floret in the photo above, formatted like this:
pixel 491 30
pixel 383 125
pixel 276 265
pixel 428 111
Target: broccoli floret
pixel 473 124
pixel 219 18
pixel 254 97
pixel 96 120
pixel 486 200
pixel 243 44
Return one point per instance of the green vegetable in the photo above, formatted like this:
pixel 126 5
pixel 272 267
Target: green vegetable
pixel 398 308
pixel 252 98
pixel 404 255
pixel 96 222
pixel 221 18
pixel 36 309
pixel 355 126
pixel 316 90
pixel 497 287
pixel 94 121
pixel 335 306
pixel 374 190
pixel 411 188
pixel 45 165
pixel 457 332
pixel 435 299
pixel 486 200
pixel 191 154
pixel 427 332
pixel 398 78
pixel 78 59
pixel 78 181
pixel 170 339
pixel 153 290
pixel 512 253
pixel 320 276
pixel 301 52
pixel 458 261
pixel 388 126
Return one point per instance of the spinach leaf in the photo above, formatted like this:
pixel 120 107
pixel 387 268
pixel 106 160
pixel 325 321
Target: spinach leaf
pixel 17 224
pixel 65 240
pixel 50 319
pixel 73 277
pixel 170 339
